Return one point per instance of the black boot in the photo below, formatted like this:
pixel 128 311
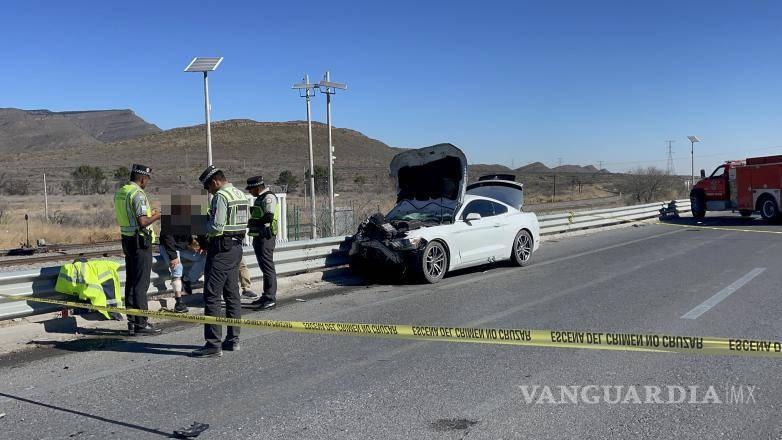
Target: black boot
pixel 207 351
pixel 179 307
pixel 265 303
pixel 147 329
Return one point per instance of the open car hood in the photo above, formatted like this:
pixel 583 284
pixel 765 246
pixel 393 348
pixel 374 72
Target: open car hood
pixel 432 173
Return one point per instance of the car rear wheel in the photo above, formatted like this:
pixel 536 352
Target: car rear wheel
pixel 522 249
pixel 745 213
pixel 434 262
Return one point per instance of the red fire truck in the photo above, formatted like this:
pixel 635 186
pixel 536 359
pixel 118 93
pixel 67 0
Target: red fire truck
pixel 745 186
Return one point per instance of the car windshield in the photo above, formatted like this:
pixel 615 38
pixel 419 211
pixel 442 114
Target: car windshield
pixel 428 211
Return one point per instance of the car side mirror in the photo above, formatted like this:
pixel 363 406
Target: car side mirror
pixel 472 216
pixel 703 174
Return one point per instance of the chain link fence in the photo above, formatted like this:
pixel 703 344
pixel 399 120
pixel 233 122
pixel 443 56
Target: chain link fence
pixel 348 214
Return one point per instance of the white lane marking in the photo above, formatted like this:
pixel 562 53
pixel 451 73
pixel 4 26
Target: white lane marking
pixel 705 306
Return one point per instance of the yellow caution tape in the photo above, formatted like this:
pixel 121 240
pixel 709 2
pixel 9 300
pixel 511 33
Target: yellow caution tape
pixel 645 342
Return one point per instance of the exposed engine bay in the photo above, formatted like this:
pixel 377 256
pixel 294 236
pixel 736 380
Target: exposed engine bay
pixel 383 240
pixel 376 227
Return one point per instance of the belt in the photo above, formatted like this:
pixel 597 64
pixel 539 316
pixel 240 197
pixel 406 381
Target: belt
pixel 235 237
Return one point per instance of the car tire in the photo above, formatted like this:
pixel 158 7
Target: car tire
pixel 698 206
pixel 745 213
pixel 433 262
pixel 769 209
pixel 521 250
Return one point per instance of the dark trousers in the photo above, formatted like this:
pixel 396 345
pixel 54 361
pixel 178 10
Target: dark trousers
pixel 138 266
pixel 264 252
pixel 221 279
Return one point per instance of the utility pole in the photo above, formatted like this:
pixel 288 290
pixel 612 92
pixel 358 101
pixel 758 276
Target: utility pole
pixel 600 165
pixel 330 88
pixel 305 186
pixel 554 198
pixel 307 90
pixel 27 226
pixel 45 200
pixel 670 168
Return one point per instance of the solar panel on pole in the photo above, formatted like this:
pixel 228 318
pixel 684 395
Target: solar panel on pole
pixel 206 65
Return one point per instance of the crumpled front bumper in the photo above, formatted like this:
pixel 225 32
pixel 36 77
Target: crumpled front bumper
pixel 376 251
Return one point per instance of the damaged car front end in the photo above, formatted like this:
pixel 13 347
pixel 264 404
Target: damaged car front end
pixel 379 242
pixel 430 184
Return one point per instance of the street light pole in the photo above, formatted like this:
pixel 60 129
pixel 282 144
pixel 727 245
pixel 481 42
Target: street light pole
pixel 329 88
pixel 693 140
pixel 313 217
pixel 306 90
pixel 331 160
pixel 207 111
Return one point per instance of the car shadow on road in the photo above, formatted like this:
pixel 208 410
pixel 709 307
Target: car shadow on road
pixel 87 415
pixel 396 279
pixel 118 345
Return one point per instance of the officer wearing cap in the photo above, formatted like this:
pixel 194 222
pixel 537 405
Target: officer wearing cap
pixel 225 228
pixel 135 217
pixel 264 218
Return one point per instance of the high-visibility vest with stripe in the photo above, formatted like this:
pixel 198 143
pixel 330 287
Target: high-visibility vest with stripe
pixel 238 211
pixel 126 216
pixel 94 281
pixel 257 211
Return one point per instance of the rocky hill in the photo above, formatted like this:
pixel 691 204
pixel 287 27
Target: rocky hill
pixel 58 143
pixel 39 130
pixel 241 147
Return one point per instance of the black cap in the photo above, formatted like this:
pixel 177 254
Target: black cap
pixel 141 169
pixel 254 182
pixel 207 174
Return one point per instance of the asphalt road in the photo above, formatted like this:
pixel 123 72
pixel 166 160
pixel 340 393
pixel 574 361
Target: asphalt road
pixel 633 280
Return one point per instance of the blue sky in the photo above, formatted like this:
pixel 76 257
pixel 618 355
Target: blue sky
pixel 509 82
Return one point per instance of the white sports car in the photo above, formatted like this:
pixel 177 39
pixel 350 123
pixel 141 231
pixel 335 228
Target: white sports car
pixel 440 223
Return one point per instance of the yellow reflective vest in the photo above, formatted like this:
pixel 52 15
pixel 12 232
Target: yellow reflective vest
pixel 126 215
pixel 95 281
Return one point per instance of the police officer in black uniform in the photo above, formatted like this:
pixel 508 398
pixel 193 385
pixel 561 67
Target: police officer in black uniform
pixel 264 216
pixel 135 217
pixel 225 228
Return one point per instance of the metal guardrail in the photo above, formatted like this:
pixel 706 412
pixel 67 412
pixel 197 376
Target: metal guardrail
pixel 578 220
pixel 290 258
pixel 296 257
